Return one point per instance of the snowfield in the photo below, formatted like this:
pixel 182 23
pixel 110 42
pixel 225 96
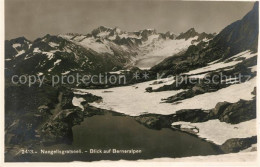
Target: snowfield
pixel 77 102
pixel 19 53
pixel 89 43
pixel 96 46
pixel 155 50
pixel 133 100
pixel 219 132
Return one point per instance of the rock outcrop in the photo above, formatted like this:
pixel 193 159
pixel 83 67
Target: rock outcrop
pixel 236 145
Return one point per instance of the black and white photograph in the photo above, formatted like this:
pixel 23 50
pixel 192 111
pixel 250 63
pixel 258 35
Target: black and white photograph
pixel 108 81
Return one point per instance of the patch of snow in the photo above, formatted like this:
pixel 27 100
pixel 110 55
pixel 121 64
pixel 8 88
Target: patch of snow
pixel 77 102
pixel 90 43
pixel 118 72
pixel 15 45
pixel 52 44
pixel 112 37
pixel 205 40
pixel 49 54
pixel 19 53
pixel 40 74
pixel 79 37
pixel 129 35
pixel 68 50
pixel 115 72
pixel 231 80
pixel 36 50
pixel 65 36
pixel 199 76
pixel 186 125
pixel 151 39
pixel 219 132
pixel 103 34
pixel 27 57
pixel 213 62
pixel 253 69
pixel 144 68
pixel 125 48
pixel 57 61
pixel 49 70
pixel 52 51
pixel 161 82
pixel 118 30
pixel 65 73
pixel 231 62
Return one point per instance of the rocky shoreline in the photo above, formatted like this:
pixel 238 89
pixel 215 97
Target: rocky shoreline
pixel 226 112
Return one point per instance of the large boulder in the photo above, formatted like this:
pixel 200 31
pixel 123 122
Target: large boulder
pixel 234 113
pixel 190 115
pixel 239 112
pixel 198 89
pixel 180 96
pixel 155 121
pixel 150 122
pixel 219 109
pixel 238 144
pixel 149 89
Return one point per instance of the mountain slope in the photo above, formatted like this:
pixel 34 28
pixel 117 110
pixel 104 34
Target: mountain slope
pixel 56 55
pixel 242 34
pixel 239 36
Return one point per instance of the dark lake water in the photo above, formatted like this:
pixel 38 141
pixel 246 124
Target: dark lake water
pixel 123 133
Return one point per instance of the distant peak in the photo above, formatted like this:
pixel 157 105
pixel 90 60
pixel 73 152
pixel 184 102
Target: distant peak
pixel 191 30
pixel 101 29
pixel 20 40
pixel 256 4
pixel 117 30
pixel 188 34
pixel 104 28
pixel 149 30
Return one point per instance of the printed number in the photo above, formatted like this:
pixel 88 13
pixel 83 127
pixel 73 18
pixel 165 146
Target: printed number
pixel 27 151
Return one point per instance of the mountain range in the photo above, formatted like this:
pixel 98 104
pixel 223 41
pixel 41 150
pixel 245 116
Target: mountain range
pixel 104 49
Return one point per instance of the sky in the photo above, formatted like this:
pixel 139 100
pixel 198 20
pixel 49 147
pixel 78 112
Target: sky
pixel 36 18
